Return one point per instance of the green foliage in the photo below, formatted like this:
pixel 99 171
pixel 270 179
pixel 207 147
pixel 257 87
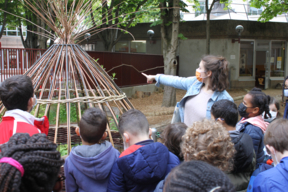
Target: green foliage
pixel 272 8
pixel 63 148
pixel 62 113
pixel 181 36
pixel 112 124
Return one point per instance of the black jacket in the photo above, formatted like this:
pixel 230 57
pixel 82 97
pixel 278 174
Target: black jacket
pixel 244 160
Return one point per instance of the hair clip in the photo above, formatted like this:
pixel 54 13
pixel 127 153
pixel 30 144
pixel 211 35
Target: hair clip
pixel 212 190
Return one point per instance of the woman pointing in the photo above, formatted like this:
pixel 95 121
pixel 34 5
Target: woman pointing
pixel 205 88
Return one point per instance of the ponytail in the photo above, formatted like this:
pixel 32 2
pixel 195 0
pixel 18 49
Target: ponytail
pixel 260 100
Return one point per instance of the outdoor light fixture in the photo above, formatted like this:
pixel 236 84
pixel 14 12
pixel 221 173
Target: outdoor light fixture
pixel 150 34
pixel 87 36
pixel 239 29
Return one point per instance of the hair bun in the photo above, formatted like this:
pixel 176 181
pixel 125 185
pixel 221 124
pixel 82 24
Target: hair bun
pixel 256 89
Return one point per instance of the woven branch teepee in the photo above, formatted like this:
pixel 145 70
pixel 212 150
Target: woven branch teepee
pixel 66 79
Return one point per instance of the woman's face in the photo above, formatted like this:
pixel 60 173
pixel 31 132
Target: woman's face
pixel 201 67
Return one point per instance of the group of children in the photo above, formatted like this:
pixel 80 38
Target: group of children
pixel 220 154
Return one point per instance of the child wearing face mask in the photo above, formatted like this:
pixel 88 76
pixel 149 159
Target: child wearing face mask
pixel 285 94
pixel 274 108
pixel 17 95
pixel 254 104
pixel 276 142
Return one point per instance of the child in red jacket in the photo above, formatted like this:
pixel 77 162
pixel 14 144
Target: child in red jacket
pixel 17 95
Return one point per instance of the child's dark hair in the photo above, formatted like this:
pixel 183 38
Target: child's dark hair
pixel 172 138
pixel 276 103
pixel 260 100
pixel 283 87
pixel 39 158
pixel 134 122
pixel 16 91
pixel 226 110
pixel 194 176
pixel 92 125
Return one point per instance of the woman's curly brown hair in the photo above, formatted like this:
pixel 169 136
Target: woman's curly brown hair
pixel 209 141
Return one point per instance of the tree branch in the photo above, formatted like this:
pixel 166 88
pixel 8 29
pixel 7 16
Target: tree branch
pixel 4 19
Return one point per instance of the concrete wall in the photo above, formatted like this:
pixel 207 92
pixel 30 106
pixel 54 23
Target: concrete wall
pixel 154 47
pixel 192 50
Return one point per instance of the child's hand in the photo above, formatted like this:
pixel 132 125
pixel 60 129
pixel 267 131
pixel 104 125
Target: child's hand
pixel 150 78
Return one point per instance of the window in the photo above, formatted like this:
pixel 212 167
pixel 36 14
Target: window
pixel 246 58
pixel 202 9
pixel 138 47
pixel 122 46
pixel 254 11
pixel 277 58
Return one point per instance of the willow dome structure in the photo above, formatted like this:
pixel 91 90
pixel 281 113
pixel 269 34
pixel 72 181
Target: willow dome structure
pixel 66 79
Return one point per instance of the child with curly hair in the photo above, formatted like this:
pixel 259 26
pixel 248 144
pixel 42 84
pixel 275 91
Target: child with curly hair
pixel 29 164
pixel 209 141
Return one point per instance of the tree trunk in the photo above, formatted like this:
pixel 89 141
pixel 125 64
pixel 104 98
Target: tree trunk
pixel 169 36
pixel 208 33
pixel 4 19
pixel 169 97
pixel 41 39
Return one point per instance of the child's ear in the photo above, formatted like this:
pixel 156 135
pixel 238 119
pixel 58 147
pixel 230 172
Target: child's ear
pixel 220 120
pixel 126 137
pixel 30 103
pixel 256 110
pixel 150 132
pixel 77 131
pixel 104 136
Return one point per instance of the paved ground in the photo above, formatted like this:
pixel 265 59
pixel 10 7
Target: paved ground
pixel 160 116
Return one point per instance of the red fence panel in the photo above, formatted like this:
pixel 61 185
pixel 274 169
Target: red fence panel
pixel 18 61
pixel 127 75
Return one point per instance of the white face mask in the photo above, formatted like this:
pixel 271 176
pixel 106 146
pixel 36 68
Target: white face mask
pixel 125 145
pixel 35 103
pixel 286 92
pixel 273 116
pixel 276 160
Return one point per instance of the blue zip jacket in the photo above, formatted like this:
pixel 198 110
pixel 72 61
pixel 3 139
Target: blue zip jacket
pixel 258 140
pixel 274 179
pixel 89 174
pixel 143 169
pixel 193 87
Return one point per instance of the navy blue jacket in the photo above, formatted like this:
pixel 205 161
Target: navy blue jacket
pixel 258 140
pixel 142 169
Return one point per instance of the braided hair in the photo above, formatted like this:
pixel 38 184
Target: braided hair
pixel 197 176
pixel 39 158
pixel 283 87
pixel 260 100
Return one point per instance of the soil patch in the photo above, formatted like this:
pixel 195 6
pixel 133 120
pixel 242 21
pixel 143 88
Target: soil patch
pixel 159 116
